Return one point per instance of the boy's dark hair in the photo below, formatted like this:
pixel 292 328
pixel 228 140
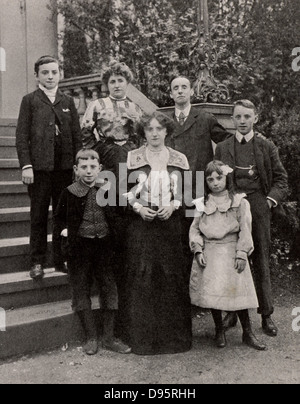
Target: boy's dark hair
pixel 246 104
pixel 86 154
pixel 117 69
pixel 180 76
pixel 163 119
pixel 44 60
pixel 216 166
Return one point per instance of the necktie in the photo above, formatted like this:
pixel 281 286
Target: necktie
pixel 181 119
pixel 244 141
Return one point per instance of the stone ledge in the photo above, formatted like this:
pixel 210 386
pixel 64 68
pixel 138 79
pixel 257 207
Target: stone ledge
pixel 38 328
pixel 17 215
pixel 16 246
pixel 9 163
pixel 21 281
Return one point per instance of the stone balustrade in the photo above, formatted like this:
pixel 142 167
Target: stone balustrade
pixel 84 89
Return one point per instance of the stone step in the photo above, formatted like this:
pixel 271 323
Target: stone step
pixel 8 127
pixel 14 255
pixel 7 141
pixel 8 148
pixel 9 131
pixel 10 170
pixel 13 194
pixel 15 223
pixel 38 328
pixel 18 290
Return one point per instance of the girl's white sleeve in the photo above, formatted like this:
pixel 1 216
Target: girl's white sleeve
pixel 196 239
pixel 245 246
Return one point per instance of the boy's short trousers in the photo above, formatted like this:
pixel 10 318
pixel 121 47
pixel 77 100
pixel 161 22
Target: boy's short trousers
pixel 91 261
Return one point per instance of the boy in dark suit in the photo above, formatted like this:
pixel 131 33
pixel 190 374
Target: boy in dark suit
pixel 259 173
pixel 88 231
pixel 48 138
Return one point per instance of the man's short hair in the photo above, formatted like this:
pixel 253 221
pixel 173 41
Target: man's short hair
pixel 44 60
pixel 117 69
pixel 246 104
pixel 86 154
pixel 180 76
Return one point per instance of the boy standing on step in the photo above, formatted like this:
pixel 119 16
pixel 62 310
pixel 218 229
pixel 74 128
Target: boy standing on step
pixel 48 138
pixel 88 233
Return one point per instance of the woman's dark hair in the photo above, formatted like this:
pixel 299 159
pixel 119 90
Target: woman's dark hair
pixel 216 166
pixel 44 60
pixel 163 119
pixel 117 69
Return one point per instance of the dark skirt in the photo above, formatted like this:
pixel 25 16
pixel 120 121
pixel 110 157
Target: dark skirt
pixel 158 308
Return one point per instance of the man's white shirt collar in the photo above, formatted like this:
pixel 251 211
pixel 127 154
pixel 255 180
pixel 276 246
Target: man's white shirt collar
pixel 186 111
pixel 248 137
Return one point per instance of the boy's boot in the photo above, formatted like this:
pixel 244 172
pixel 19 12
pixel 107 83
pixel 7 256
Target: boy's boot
pixel 220 333
pixel 230 321
pixel 248 337
pixel 109 341
pixel 90 329
pixel 37 272
pixel 269 327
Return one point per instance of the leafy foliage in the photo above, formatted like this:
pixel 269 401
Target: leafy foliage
pixel 159 38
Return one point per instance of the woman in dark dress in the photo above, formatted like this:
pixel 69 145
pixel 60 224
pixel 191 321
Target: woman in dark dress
pixel 158 309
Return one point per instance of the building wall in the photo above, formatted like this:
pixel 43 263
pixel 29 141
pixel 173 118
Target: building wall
pixel 28 30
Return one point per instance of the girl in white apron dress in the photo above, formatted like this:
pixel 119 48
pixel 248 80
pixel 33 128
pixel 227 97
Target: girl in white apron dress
pixel 220 238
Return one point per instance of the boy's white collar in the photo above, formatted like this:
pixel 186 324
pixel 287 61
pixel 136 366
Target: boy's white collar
pixel 248 137
pixel 49 92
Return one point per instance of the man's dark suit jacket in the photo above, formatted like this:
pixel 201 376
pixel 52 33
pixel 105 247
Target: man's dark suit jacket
pixel 273 176
pixel 194 138
pixel 36 131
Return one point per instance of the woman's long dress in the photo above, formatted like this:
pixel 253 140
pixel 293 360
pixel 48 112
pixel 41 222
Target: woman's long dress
pixel 159 310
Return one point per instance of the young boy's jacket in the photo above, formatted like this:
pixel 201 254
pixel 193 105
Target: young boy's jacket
pixel 273 176
pixel 69 215
pixel 36 131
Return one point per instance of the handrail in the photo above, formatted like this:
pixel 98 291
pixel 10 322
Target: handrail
pixel 84 89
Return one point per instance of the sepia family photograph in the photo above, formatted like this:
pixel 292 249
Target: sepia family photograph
pixel 149 194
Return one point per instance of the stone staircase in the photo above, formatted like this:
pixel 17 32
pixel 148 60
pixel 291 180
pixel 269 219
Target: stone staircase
pixel 38 314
